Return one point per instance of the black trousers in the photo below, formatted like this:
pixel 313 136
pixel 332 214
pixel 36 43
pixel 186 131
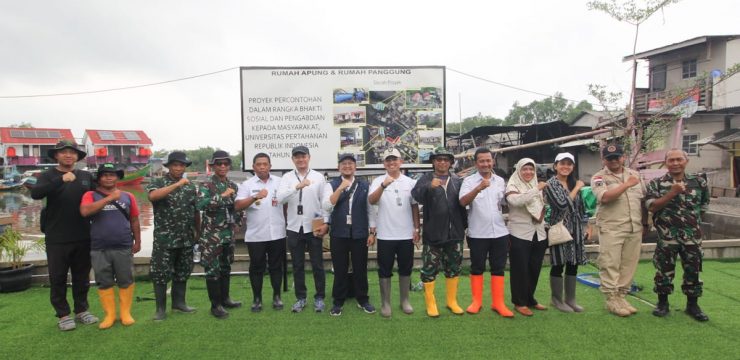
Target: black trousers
pixel 525 264
pixel 494 250
pixel 344 250
pixel 73 257
pixel 266 255
pixel 389 251
pixel 297 242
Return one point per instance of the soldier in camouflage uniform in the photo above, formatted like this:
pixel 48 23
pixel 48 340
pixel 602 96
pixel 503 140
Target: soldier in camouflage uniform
pixel 216 199
pixel 677 201
pixel 175 226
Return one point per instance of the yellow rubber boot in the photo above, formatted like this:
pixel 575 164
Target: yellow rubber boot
pixel 497 296
pixel 429 299
pixel 108 302
pixel 476 287
pixel 126 298
pixel 451 284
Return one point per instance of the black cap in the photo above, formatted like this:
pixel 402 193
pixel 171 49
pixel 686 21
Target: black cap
pixel 612 150
pixel 108 168
pixel 66 144
pixel 178 156
pixel 219 155
pixel 347 156
pixel 300 149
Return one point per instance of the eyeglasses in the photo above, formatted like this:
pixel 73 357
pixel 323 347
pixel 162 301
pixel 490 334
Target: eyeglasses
pixel 221 163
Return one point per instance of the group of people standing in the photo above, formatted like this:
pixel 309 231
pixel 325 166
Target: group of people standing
pixel 90 223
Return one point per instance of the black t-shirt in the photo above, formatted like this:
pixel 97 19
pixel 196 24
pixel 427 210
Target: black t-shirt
pixel 64 223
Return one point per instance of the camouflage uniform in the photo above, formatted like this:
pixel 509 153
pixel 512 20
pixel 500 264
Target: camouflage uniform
pixel 217 226
pixel 449 256
pixel 174 232
pixel 679 233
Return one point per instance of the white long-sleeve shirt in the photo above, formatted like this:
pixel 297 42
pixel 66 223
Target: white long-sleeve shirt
pixel 311 199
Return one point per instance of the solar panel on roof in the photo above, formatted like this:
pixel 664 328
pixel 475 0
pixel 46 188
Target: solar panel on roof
pixel 36 134
pixel 131 135
pixel 106 135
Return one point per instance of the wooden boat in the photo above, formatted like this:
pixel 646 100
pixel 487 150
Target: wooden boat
pixel 10 186
pixel 135 177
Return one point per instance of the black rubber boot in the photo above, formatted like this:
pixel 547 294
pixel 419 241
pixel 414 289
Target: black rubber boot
pixel 214 294
pixel 225 299
pixel 662 309
pixel 160 296
pixel 178 297
pixel 693 309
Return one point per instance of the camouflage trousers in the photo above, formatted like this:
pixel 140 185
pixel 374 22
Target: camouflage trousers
pixel 449 256
pixel 170 264
pixel 664 260
pixel 216 259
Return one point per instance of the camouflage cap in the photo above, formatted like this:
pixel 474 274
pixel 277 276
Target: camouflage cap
pixel 441 151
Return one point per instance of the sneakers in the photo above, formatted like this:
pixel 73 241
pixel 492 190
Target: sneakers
pixel 367 308
pixel 66 323
pixel 86 318
pixel 277 303
pixel 299 305
pixel 336 310
pixel 318 305
pixel 256 306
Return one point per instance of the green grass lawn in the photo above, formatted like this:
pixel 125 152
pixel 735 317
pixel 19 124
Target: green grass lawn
pixel 28 328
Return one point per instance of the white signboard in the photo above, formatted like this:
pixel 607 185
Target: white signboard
pixel 336 110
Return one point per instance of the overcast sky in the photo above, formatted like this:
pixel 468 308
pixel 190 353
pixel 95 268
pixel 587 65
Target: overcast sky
pixel 544 46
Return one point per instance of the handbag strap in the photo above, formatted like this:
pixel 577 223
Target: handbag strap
pixel 117 205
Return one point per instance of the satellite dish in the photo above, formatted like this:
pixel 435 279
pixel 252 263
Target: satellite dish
pixel 715 73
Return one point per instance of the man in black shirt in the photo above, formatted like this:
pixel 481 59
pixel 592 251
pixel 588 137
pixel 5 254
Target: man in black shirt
pixel 67 232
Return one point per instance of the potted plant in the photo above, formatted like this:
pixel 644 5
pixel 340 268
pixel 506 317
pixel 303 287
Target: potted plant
pixel 14 274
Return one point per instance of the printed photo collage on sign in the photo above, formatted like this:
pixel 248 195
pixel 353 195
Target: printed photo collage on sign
pixel 371 122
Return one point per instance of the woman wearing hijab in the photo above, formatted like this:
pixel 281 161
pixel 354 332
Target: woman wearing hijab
pixel 564 197
pixel 528 237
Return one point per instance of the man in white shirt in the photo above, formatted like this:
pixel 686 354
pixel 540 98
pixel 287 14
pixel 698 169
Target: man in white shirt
pixel 302 189
pixel 265 235
pixel 488 237
pixel 396 220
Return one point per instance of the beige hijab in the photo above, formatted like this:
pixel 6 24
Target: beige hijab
pixel 518 185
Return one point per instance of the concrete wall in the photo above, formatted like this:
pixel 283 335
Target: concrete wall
pixel 713 249
pixel 711 159
pixel 724 95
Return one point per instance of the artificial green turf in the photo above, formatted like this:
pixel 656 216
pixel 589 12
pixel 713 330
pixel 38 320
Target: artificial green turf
pixel 28 327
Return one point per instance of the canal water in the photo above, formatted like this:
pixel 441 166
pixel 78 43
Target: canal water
pixel 25 213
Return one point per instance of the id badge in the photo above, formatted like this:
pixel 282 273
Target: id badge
pixel 399 202
pixel 274 202
pixel 349 219
pixel 300 209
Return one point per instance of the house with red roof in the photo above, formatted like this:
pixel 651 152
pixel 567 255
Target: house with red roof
pixel 127 147
pixel 28 146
